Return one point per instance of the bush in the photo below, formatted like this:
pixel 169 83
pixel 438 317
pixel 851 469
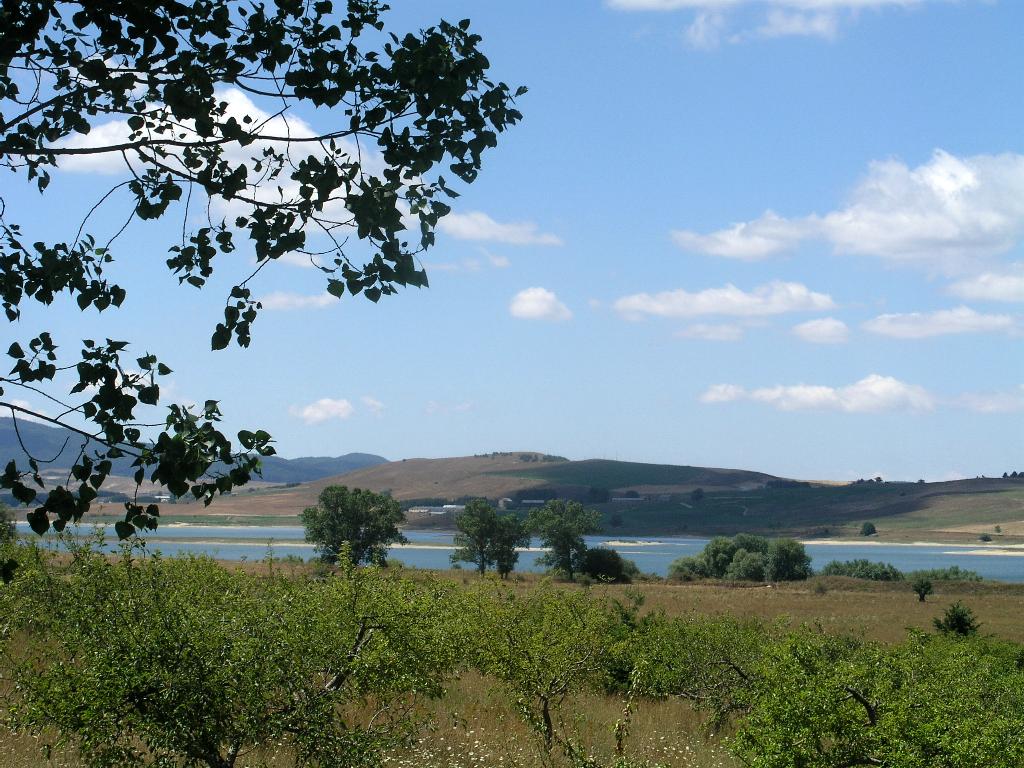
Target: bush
pixel 688 569
pixel 787 560
pixel 922 588
pixel 952 573
pixel 745 557
pixel 604 564
pixel 863 569
pixel 868 529
pixel 746 566
pixel 6 523
pixel 957 620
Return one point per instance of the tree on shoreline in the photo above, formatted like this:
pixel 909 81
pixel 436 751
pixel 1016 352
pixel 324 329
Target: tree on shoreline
pixel 196 102
pixel 361 524
pixel 561 527
pixel 488 539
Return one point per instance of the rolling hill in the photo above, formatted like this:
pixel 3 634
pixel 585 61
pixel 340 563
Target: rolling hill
pixel 516 475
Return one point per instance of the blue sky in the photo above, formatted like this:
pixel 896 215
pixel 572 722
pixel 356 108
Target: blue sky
pixel 782 235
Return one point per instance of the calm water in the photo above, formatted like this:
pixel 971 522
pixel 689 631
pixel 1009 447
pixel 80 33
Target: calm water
pixel 652 555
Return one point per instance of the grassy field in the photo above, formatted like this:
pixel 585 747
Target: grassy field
pixel 475 725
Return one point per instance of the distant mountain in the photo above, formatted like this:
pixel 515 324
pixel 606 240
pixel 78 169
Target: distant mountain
pixel 45 443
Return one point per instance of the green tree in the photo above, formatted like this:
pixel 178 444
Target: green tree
pixel 545 647
pixel 6 523
pixel 697 495
pixel 957 620
pixel 182 662
pixel 605 564
pixel 787 560
pixel 179 84
pixel 561 527
pixel 477 524
pixel 717 556
pixel 487 539
pixel 868 529
pixel 746 566
pixel 360 523
pixel 688 569
pixel 511 534
pixel 922 588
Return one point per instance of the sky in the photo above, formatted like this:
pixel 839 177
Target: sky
pixel 778 235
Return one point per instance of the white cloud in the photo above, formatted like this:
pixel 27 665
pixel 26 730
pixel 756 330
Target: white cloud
pixel 479 226
pixel 948 215
pixel 821 5
pixel 323 410
pixel 992 286
pixel 827 330
pixel 375 406
pixel 296 259
pixel 773 298
pixel 103 135
pixel 871 394
pixel 781 23
pixel 486 259
pixel 705 33
pixel 723 393
pixel 711 332
pixel 779 18
pixel 994 402
pixel 285 300
pixel 921 325
pixel 538 304
pixel 747 241
pixel 496 260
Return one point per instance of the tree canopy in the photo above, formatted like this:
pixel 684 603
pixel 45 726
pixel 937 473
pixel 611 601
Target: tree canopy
pixel 207 106
pixel 360 523
pixel 488 539
pixel 561 526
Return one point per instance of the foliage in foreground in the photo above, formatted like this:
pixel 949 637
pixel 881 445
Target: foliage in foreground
pixel 167 93
pixel 185 662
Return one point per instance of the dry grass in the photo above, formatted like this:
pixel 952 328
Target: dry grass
pixel 476 725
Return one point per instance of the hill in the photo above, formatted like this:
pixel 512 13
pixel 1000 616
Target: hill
pixel 516 475
pixel 655 499
pixel 46 442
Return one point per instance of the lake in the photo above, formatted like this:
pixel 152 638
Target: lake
pixel 431 549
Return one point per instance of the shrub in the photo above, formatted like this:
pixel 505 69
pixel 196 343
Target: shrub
pixel 957 620
pixel 688 569
pixel 952 573
pixel 922 588
pixel 746 566
pixel 6 523
pixel 868 529
pixel 604 564
pixel 787 560
pixel 985 538
pixel 863 569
